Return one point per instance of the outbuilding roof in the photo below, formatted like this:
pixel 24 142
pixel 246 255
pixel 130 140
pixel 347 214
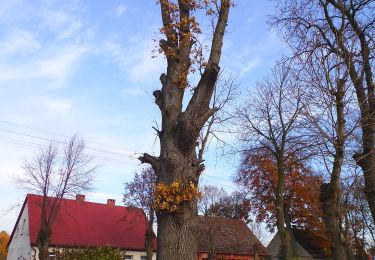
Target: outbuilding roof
pixel 227 236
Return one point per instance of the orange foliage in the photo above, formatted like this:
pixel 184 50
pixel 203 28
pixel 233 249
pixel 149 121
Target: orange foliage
pixel 301 190
pixel 4 238
pixel 170 196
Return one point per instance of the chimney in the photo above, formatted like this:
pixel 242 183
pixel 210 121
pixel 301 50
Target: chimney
pixel 80 197
pixel 111 202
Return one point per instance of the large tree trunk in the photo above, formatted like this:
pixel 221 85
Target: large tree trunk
pixel 178 136
pixel 176 230
pixel 330 192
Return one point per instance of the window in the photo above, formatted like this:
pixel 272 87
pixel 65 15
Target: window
pixel 128 257
pixel 143 257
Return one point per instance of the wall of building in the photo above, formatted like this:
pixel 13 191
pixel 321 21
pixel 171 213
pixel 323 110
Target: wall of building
pixel 19 247
pixel 137 255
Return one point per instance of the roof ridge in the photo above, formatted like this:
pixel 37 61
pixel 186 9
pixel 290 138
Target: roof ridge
pixel 85 201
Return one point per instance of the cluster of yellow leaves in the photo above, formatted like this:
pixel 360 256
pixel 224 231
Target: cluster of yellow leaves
pixel 4 238
pixel 170 196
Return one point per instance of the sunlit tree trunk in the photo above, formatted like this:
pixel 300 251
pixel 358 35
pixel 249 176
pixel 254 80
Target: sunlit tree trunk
pixel 178 160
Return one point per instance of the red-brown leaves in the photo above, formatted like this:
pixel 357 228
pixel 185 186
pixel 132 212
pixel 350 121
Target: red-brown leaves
pixel 258 174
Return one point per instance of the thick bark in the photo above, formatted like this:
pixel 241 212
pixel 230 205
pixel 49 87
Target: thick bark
pixel 178 160
pixel 176 234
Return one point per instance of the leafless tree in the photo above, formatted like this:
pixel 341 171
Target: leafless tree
pixel 210 196
pixel 225 93
pixel 332 120
pixel 358 226
pixel 217 203
pixel 56 173
pixel 140 193
pixel 180 128
pixel 344 28
pixel 272 120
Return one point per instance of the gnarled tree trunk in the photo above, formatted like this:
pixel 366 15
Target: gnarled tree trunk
pixel 178 160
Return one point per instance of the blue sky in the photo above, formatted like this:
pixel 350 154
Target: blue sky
pixel 85 67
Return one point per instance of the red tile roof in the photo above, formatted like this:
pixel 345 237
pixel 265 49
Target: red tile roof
pixel 82 223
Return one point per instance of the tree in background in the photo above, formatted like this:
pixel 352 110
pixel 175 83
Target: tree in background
pixel 332 39
pixel 140 192
pixel 178 167
pixel 259 178
pixel 215 203
pixel 56 173
pixel 343 28
pixel 211 195
pixel 332 120
pixel 271 121
pixel 235 205
pixel 4 238
pixel 358 227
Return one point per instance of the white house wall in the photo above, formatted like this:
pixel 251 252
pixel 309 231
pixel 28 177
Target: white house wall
pixel 136 255
pixel 19 247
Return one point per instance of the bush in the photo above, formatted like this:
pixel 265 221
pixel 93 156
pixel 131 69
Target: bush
pixel 88 253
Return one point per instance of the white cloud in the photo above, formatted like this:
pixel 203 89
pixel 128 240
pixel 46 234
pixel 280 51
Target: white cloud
pixel 247 67
pixel 250 57
pixel 56 104
pixel 56 67
pixel 136 61
pixel 19 41
pixel 64 22
pixel 120 10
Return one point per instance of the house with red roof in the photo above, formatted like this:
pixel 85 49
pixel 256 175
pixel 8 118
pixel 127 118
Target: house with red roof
pixel 80 224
